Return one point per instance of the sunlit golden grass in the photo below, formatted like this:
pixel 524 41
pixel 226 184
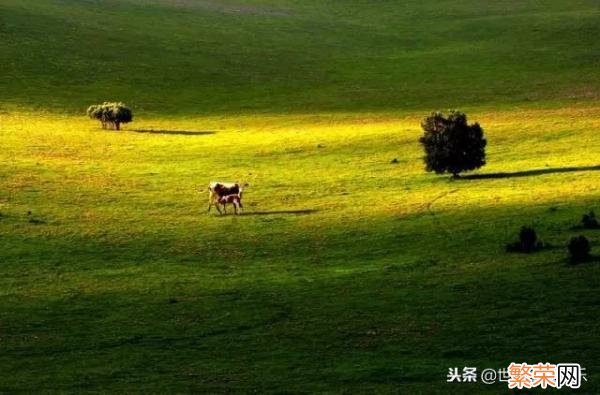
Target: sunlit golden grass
pixel 326 171
pixel 338 164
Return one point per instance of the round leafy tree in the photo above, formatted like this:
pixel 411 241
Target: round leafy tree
pixel 110 115
pixel 451 144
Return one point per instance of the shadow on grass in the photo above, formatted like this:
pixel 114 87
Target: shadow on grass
pixel 277 212
pixel 527 173
pixel 176 132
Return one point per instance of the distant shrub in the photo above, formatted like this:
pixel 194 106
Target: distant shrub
pixel 579 249
pixel 528 241
pixel 452 145
pixel 110 114
pixel 589 221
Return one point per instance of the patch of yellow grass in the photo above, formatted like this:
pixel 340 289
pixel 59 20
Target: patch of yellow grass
pixel 338 164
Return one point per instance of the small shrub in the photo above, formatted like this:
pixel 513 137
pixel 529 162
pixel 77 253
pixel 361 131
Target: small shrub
pixel 579 249
pixel 528 238
pixel 589 221
pixel 528 241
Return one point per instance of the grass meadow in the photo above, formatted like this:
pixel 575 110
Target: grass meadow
pixel 346 273
pixel 215 57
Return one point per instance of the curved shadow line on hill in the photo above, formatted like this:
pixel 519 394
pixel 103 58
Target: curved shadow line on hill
pixel 527 173
pixel 292 212
pixel 175 132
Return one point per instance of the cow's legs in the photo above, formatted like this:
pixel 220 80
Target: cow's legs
pixel 213 203
pixel 211 199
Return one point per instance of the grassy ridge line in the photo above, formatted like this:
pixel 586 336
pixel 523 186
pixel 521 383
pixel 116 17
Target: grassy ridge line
pixel 337 56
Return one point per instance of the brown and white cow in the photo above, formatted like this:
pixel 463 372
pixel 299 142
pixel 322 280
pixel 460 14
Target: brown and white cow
pixel 217 190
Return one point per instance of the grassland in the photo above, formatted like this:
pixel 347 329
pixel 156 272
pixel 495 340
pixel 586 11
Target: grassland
pixel 213 57
pixel 126 284
pixel 347 273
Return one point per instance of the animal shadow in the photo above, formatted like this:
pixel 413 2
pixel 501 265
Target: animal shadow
pixel 280 212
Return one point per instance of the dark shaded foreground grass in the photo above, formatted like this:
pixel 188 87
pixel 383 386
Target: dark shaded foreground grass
pixel 386 308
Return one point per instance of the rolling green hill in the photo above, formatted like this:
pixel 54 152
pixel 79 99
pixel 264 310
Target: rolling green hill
pixel 210 56
pixel 347 272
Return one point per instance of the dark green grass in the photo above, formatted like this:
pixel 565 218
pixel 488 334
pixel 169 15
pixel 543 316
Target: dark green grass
pixel 201 57
pixel 311 313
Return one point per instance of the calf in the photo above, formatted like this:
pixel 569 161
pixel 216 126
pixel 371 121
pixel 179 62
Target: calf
pixel 236 200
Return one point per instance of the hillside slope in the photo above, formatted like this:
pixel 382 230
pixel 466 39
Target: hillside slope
pixel 210 56
pixel 348 272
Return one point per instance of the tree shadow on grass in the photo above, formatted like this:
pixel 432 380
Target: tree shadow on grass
pixel 278 212
pixel 527 173
pixel 175 132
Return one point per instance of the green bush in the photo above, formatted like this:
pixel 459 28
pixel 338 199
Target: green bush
pixel 110 114
pixel 579 249
pixel 589 221
pixel 452 145
pixel 528 241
